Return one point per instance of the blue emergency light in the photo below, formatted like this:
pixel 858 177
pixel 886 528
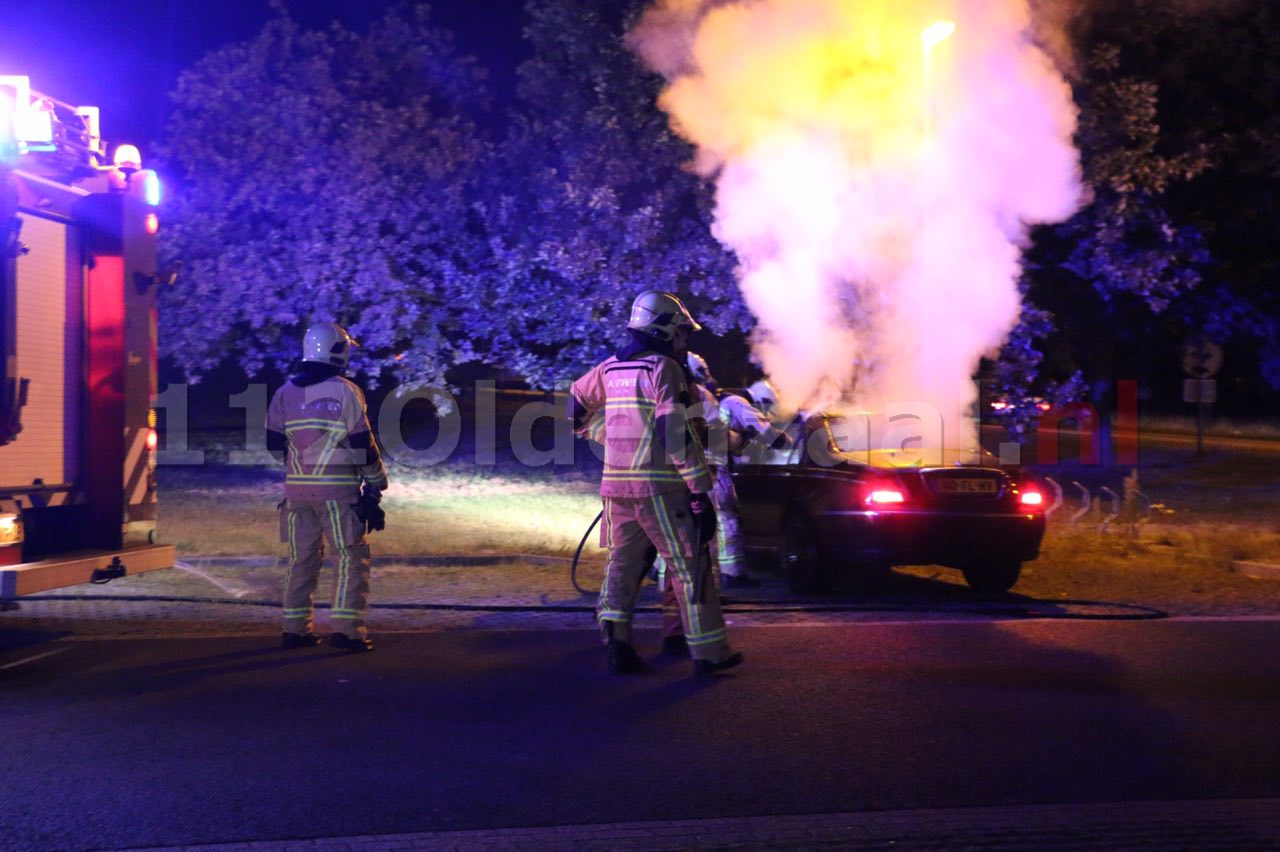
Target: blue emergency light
pixel 151 188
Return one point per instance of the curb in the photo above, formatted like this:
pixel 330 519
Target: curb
pixel 435 559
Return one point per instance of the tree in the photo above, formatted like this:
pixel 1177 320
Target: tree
pixel 589 202
pixel 1178 135
pixel 324 176
pixel 1097 286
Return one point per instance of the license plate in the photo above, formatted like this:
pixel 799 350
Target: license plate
pixel 967 486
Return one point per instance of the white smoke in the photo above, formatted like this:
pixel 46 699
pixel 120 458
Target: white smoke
pixel 876 192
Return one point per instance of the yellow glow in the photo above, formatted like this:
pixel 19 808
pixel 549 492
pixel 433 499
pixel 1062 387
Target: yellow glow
pixel 876 165
pixel 10 529
pixel 936 33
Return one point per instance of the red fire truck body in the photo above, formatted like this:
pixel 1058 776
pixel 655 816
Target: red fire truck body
pixel 78 340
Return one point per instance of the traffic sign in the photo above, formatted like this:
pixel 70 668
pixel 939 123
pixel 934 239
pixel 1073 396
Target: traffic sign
pixel 1201 359
pixel 1199 390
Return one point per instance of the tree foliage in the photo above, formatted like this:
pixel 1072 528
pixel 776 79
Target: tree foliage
pixel 342 175
pixel 1178 134
pixel 590 201
pixel 324 176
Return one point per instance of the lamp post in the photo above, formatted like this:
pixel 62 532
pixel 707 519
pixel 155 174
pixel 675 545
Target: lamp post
pixel 932 36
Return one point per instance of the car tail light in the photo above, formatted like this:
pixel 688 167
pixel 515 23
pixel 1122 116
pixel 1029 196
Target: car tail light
pixel 883 492
pixel 1030 497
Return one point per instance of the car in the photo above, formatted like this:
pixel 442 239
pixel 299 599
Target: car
pixel 824 507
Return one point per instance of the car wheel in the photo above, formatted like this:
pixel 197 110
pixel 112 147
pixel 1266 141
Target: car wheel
pixel 991 577
pixel 801 558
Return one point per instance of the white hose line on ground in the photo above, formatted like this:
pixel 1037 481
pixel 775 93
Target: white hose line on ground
pixel 32 659
pixel 229 589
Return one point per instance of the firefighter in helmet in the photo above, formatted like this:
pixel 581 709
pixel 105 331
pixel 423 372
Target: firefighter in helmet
pixel 655 484
pixel 764 397
pixel 320 420
pixel 731 421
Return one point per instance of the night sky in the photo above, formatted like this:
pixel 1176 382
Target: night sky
pixel 125 57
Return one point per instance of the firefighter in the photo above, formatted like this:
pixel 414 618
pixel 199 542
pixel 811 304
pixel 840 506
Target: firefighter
pixel 750 421
pixel 320 419
pixel 728 424
pixel 764 397
pixel 655 485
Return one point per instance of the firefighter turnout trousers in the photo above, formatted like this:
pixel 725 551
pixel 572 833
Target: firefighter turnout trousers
pixel 630 524
pixel 306 524
pixel 730 558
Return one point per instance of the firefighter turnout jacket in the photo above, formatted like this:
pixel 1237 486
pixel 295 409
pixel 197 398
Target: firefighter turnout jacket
pixel 330 445
pixel 637 408
pixel 746 425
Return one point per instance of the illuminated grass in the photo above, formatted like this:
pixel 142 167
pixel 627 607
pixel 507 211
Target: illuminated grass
pixel 1216 510
pixel 219 511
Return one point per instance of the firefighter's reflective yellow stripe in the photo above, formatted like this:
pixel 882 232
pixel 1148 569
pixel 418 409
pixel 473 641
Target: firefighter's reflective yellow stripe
pixel 644 449
pixel 690 472
pixel 304 612
pixel 348 614
pixel 620 404
pixel 656 475
pixel 334 431
pixel 608 615
pixel 726 556
pixel 332 438
pixel 613 615
pixel 695 634
pixel 323 478
pixel 709 638
pixel 344 555
pixel 312 423
pixel 645 408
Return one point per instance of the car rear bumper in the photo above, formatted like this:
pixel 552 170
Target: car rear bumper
pixel 919 538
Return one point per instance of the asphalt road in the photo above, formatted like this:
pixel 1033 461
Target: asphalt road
pixel 124 743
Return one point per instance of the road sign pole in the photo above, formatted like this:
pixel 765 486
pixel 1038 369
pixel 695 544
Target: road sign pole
pixel 1201 360
pixel 1200 429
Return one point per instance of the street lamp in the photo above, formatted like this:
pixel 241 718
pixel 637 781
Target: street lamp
pixel 932 36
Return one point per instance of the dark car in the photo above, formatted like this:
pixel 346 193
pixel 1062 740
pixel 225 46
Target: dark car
pixel 824 507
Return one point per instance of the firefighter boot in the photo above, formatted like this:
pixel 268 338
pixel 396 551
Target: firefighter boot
pixel 299 640
pixel 675 646
pixel 706 668
pixel 623 659
pixel 358 645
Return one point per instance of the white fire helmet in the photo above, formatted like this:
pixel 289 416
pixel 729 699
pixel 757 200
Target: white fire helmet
pixel 658 314
pixel 327 343
pixel 765 396
pixel 699 369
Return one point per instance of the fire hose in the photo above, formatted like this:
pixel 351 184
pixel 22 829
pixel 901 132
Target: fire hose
pixel 573 567
pixel 701 566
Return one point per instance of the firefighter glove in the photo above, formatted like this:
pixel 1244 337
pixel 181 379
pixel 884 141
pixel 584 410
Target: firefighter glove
pixel 704 514
pixel 369 512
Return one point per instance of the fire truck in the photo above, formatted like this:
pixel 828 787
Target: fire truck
pixel 78 282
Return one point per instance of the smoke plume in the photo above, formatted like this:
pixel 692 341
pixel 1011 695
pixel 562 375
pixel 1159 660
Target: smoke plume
pixel 876 188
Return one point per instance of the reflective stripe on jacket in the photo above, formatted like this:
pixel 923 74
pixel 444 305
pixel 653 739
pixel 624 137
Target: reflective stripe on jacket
pixel 319 421
pixel 624 399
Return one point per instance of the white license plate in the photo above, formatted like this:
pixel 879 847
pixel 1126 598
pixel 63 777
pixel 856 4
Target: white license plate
pixel 967 486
